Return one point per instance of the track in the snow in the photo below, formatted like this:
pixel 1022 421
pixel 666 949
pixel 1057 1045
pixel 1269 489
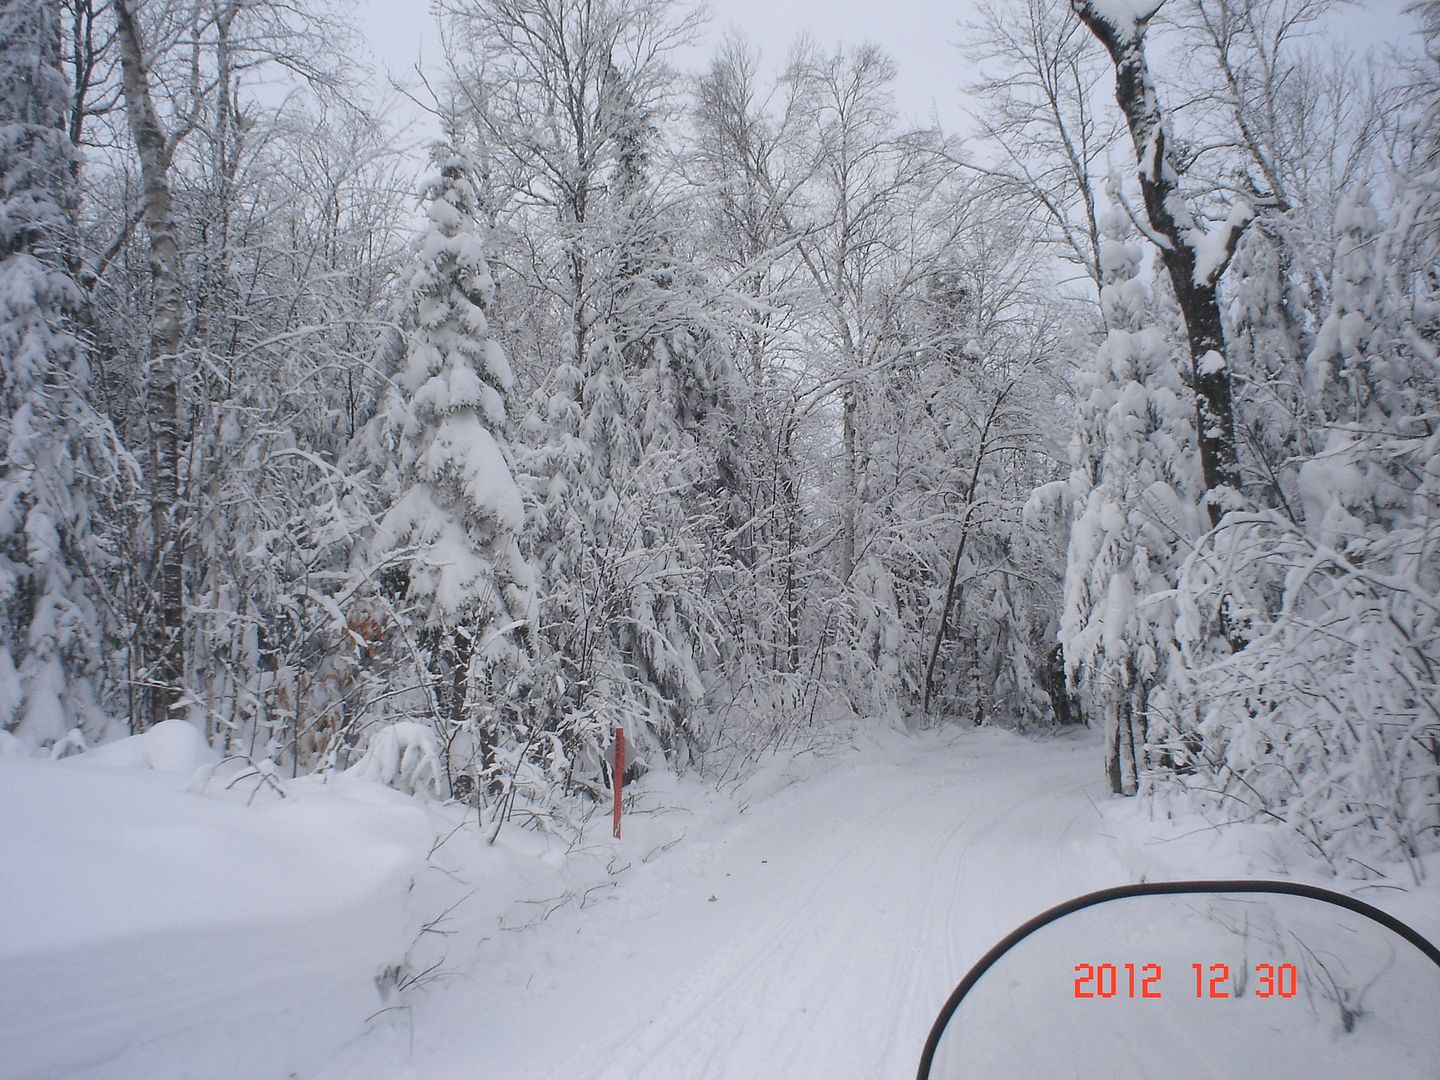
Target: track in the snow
pixel 843 911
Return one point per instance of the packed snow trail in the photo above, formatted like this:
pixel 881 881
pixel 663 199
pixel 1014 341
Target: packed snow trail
pixel 815 938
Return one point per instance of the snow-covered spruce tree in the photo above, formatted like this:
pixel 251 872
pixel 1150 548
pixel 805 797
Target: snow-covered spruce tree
pixel 452 531
pixel 1133 491
pixel 1354 372
pixel 53 445
pixel 666 318
pixel 570 100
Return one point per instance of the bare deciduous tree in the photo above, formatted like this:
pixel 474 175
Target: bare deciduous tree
pixel 1041 113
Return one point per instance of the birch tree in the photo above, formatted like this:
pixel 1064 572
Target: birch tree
pixel 1042 113
pixel 167 610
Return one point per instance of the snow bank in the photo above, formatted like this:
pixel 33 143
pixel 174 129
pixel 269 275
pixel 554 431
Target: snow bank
pixel 155 922
pixel 172 745
pixel 167 915
pixel 1166 839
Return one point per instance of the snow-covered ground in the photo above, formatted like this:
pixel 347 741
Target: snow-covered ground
pixel 153 925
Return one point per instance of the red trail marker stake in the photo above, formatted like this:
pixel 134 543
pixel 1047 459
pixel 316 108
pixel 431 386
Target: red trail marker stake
pixel 617 778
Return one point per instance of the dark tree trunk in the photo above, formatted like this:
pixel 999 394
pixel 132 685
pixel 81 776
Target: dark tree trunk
pixel 1112 757
pixel 1063 704
pixel 1175 233
pixel 790 494
pixel 982 449
pixel 451 650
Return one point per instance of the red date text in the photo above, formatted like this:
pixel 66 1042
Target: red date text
pixel 1212 981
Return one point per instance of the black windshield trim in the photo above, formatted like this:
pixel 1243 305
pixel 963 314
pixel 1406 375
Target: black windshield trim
pixel 1158 888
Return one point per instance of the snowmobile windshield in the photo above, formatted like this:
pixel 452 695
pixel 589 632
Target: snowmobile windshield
pixel 1197 980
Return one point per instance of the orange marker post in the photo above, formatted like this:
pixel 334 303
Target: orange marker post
pixel 617 778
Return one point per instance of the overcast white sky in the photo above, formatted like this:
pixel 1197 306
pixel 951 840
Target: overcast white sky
pixel 920 35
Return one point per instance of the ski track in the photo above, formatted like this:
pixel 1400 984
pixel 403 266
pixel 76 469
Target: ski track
pixel 883 881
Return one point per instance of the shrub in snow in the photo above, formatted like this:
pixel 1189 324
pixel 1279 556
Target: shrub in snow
pixel 1327 718
pixel 405 756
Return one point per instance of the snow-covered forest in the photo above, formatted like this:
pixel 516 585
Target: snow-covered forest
pixel 601 371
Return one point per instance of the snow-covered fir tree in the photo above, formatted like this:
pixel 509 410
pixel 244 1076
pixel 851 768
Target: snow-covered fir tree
pixel 632 463
pixel 625 470
pixel 1266 338
pixel 53 444
pixel 1354 371
pixel 1134 508
pixel 454 525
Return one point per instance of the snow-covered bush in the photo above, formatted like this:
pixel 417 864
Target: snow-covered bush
pixel 1327 714
pixel 1327 718
pixel 404 755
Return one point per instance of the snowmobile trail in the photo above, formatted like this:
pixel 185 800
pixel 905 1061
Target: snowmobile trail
pixel 816 938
